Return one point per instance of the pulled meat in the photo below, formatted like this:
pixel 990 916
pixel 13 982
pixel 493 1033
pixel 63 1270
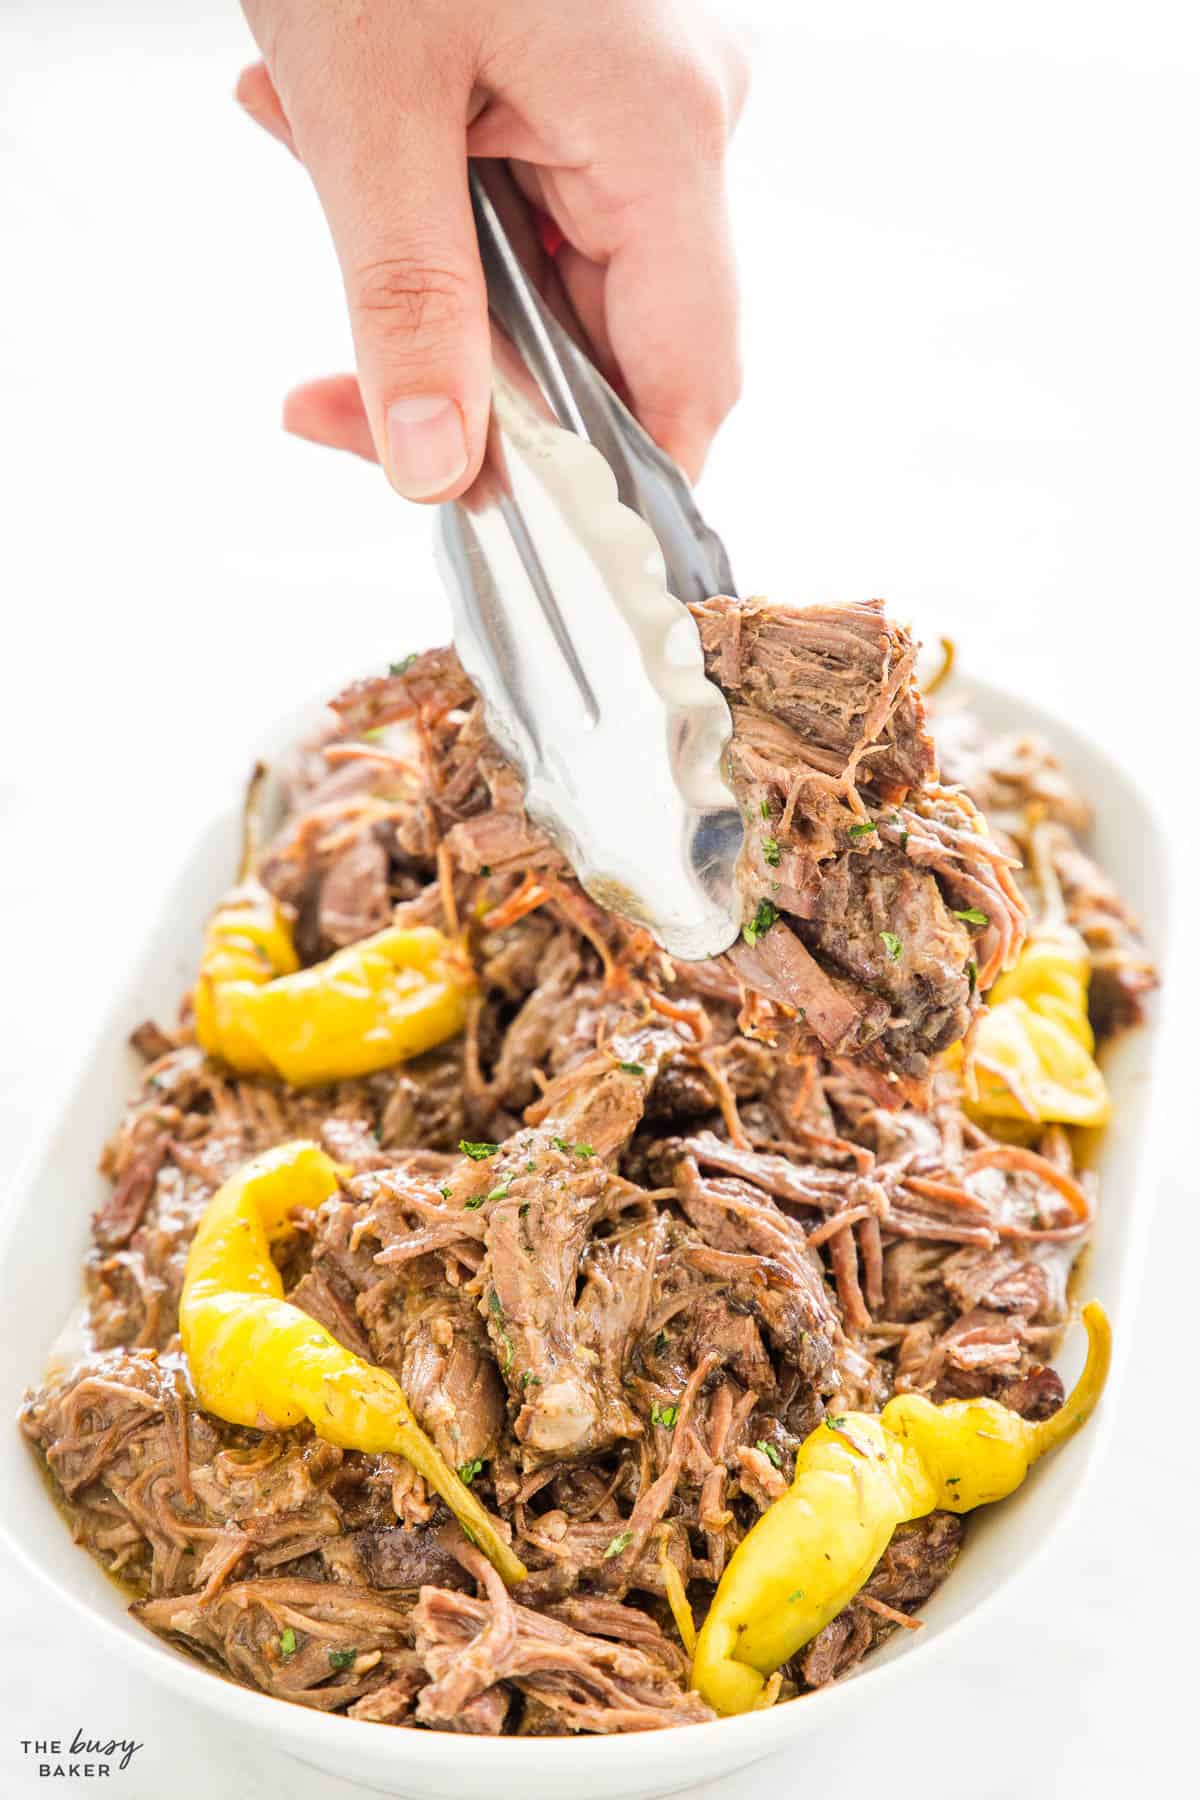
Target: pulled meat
pixel 701 1206
pixel 851 839
pixel 582 1682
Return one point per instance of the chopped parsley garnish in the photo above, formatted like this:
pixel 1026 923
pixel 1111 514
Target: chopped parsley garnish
pixel 501 1192
pixel 468 1471
pixel 477 1152
pixel 796 1594
pixel 529 1379
pixel 972 915
pixel 770 1452
pixel 770 850
pixel 663 1415
pixel 972 977
pixel 342 1659
pixel 660 1343
pixel 566 1148
pixel 953 1480
pixel 444 1190
pixel 501 1328
pixel 764 807
pixel 485 868
pixel 761 923
pixel 530 1167
pixel 615 1545
pixel 631 1068
pixel 287 1642
pixel 862 829
pixel 892 945
pixel 835 1421
pixel 404 665
pixel 522 1209
pixel 475 1201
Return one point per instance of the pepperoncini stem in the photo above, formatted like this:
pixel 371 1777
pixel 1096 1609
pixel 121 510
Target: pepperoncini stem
pixel 371 1005
pixel 1081 1402
pixel 858 1477
pixel 677 1599
pixel 971 1452
pixel 257 1360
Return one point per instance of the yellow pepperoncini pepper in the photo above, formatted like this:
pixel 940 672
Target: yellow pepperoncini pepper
pixel 1051 975
pixel 248 942
pixel 857 1478
pixel 366 1007
pixel 1032 1053
pixel 257 1360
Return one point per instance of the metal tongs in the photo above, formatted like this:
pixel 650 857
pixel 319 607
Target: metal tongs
pixel 568 563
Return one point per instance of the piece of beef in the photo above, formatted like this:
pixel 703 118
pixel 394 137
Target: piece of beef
pixel 616 1281
pixel 433 680
pixel 328 1297
pixel 448 1370
pixel 1036 1394
pixel 852 846
pixel 591 1683
pixel 119 1217
pixel 884 922
pixel 778 965
pixel 426 1105
pixel 323 1644
pixel 840 676
pixel 551 1184
pixel 355 899
pixel 536 1239
pixel 150 1041
pixel 547 1015
pixel 500 841
pixel 405 1316
pixel 397 1556
pixel 763 1255
pixel 169 1497
pixel 942 833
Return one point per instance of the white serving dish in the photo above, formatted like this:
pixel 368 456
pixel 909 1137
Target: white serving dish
pixel 43 1235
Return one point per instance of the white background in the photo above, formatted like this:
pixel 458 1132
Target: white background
pixel 968 237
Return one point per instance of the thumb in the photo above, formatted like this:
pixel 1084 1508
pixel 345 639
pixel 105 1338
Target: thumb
pixel 399 210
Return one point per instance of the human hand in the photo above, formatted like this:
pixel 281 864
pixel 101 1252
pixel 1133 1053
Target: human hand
pixel 614 115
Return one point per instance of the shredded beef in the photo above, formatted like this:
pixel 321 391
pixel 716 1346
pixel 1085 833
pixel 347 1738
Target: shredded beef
pixel 588 1683
pixel 850 837
pixel 627 1238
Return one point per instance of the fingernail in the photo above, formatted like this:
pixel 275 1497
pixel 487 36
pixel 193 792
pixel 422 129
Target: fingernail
pixel 427 445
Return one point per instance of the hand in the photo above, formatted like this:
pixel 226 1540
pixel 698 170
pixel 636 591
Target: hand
pixel 615 115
